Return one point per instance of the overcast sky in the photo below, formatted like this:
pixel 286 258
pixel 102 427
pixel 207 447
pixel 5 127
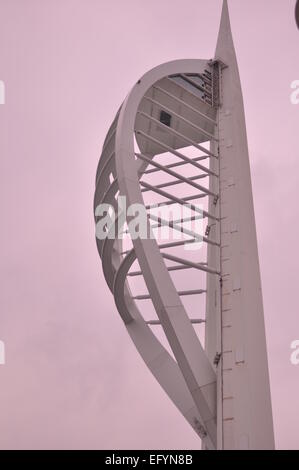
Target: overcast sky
pixel 72 378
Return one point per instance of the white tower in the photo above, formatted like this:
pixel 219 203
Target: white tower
pixel 236 326
pixel 223 390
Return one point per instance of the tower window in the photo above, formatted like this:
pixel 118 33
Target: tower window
pixel 165 118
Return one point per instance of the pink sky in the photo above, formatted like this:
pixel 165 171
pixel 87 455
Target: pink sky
pixel 72 378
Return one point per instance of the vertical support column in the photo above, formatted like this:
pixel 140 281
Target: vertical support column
pixel 226 255
pixel 213 331
pixel 247 413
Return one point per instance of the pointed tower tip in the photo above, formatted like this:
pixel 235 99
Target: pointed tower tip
pixel 225 39
pixel 225 20
pixel 225 7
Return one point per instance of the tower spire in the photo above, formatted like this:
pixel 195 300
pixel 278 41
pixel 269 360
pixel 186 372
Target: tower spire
pixel 225 45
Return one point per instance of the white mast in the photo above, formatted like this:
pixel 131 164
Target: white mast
pixel 243 377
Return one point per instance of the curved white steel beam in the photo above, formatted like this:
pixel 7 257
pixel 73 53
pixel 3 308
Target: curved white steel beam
pixel 197 371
